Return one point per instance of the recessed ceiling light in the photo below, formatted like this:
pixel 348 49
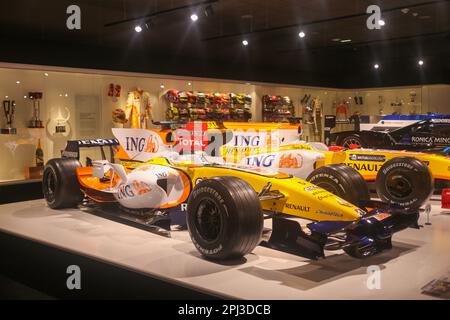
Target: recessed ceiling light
pixel 194 17
pixel 245 42
pixel 376 66
pixel 66 95
pixel 336 39
pixel 302 34
pixel 46 74
pixel 420 62
pixel 60 94
pixel 6 97
pixel 189 83
pixel 25 97
pixel 346 40
pixel 138 29
pixel 162 86
pixel 18 82
pixel 381 23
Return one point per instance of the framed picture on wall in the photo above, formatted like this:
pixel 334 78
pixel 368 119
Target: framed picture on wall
pixel 88 119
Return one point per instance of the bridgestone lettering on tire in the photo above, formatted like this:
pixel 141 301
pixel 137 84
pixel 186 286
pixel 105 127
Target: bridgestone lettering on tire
pixel 60 184
pixel 343 181
pixel 224 218
pixel 404 181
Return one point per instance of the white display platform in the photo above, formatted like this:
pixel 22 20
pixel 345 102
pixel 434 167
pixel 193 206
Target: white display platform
pixel 418 257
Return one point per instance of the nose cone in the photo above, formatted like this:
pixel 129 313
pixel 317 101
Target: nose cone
pixel 309 201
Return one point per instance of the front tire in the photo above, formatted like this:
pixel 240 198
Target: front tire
pixel 343 181
pixel 224 218
pixel 60 183
pixel 404 181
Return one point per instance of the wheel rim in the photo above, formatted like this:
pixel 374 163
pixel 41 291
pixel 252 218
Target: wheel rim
pixel 208 220
pixel 398 186
pixel 350 141
pixel 49 185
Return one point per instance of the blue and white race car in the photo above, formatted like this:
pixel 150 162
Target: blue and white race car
pixel 400 132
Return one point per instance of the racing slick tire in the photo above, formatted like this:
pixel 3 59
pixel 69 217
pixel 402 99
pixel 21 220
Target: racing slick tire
pixel 350 140
pixel 343 181
pixel 404 181
pixel 224 218
pixel 60 184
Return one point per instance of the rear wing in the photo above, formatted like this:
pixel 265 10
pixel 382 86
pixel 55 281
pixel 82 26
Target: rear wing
pixel 72 149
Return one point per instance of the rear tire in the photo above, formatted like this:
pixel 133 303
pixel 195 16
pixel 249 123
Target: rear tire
pixel 224 218
pixel 404 181
pixel 351 140
pixel 343 181
pixel 60 183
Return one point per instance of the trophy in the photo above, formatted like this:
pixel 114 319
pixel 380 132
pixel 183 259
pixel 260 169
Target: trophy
pixel 8 108
pixel 36 122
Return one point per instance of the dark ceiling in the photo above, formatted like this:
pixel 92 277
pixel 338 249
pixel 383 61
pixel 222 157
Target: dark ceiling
pixel 35 32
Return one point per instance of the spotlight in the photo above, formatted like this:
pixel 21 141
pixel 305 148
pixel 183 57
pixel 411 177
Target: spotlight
pixel 245 42
pixel 162 86
pixel 189 84
pixel 421 62
pixel 138 29
pixel 18 82
pixel 46 74
pixel 209 11
pixel 376 66
pixel 194 17
pixel 302 34
pixel 381 23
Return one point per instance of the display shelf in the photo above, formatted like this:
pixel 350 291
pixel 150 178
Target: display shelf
pixel 264 274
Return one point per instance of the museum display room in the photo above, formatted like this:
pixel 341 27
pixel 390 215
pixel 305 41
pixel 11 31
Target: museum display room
pixel 80 103
pixel 221 149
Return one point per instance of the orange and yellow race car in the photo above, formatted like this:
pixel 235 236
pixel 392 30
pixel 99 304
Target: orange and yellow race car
pixel 399 177
pixel 223 205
